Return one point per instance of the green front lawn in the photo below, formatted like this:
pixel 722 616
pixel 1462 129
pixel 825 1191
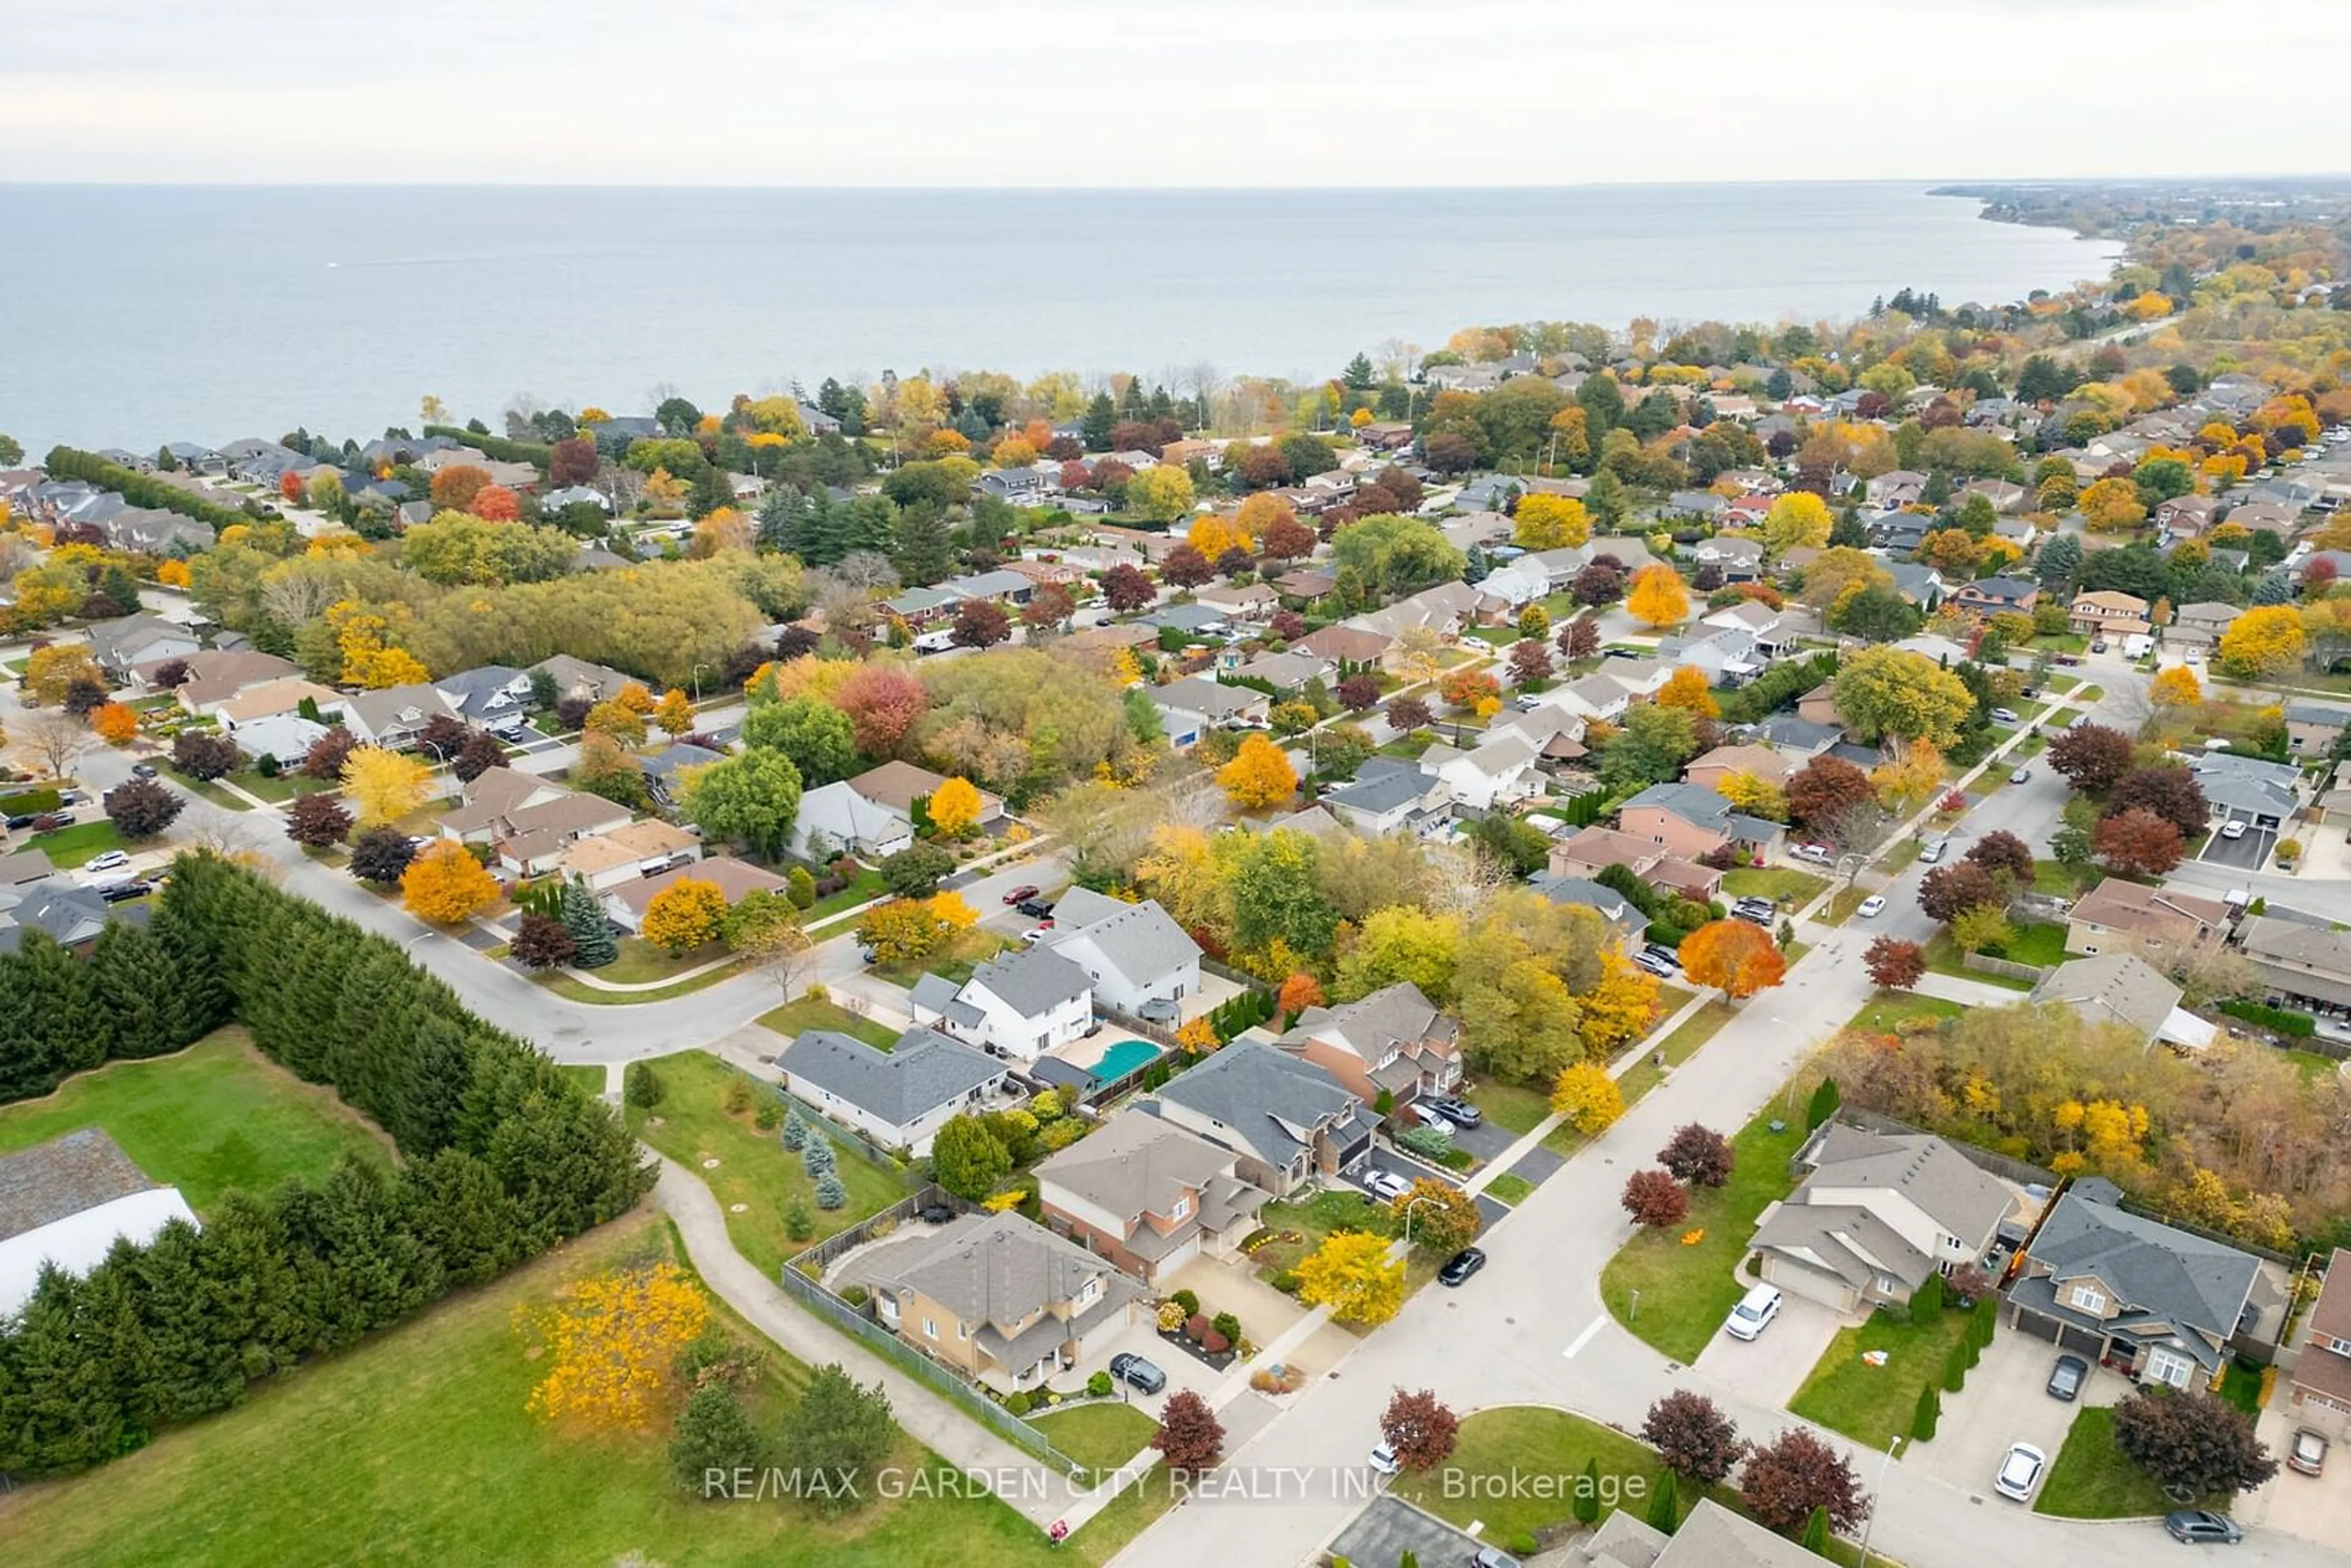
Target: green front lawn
pixel 1513 1190
pixel 1103 1438
pixel 2091 1480
pixel 2058 879
pixel 1678 1047
pixel 1513 1107
pixel 69 847
pixel 1943 957
pixel 215 1117
pixel 964 952
pixel 417 1446
pixel 864 888
pixel 1874 1404
pixel 1312 1220
pixel 1527 1442
pixel 754 1168
pixel 642 963
pixel 589 1075
pixel 283 787
pixel 1687 1291
pixel 1781 884
pixel 1887 1010
pixel 816 1012
pixel 2041 946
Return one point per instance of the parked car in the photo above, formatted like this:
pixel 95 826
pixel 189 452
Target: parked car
pixel 2003 715
pixel 1428 1115
pixel 1753 1314
pixel 2098 646
pixel 2235 827
pixel 1872 906
pixel 2019 776
pixel 1034 934
pixel 111 859
pixel 1384 1184
pixel 937 1214
pixel 1136 1373
pixel 74 797
pixel 142 770
pixel 2020 1472
pixel 2307 1452
pixel 1025 892
pixel 1754 915
pixel 1492 1557
pixel 2065 1378
pixel 1382 1459
pixel 1653 965
pixel 2202 1525
pixel 1932 851
pixel 1460 1265
pixel 21 821
pixel 2069 658
pixel 1034 908
pixel 1819 852
pixel 1664 954
pixel 116 892
pixel 1458 1112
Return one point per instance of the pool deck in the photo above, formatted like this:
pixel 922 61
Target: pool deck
pixel 1089 1054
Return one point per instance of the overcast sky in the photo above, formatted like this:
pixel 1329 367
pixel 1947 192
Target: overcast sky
pixel 1176 92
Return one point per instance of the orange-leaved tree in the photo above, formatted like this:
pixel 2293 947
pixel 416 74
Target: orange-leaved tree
pixel 1686 687
pixel 444 885
pixel 1659 597
pixel 1740 958
pixel 1258 775
pixel 610 1344
pixel 115 723
pixel 675 712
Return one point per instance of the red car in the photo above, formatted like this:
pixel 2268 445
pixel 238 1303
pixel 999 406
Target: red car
pixel 1023 891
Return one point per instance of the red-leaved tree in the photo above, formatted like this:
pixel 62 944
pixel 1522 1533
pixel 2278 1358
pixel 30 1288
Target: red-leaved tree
pixel 1419 1430
pixel 1893 964
pixel 1655 1199
pixel 1189 1435
pixel 1692 1434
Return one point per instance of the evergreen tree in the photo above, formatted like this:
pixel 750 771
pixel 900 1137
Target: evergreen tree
pixel 714 1435
pixel 1930 1409
pixel 922 549
pixel 1587 1493
pixel 131 974
pixel 471 1225
pixel 1825 1102
pixel 1816 1532
pixel 1096 428
pixel 1663 1507
pixel 591 938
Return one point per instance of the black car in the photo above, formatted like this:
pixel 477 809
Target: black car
pixel 937 1214
pixel 1460 1265
pixel 116 892
pixel 1460 1112
pixel 1034 908
pixel 2065 1379
pixel 2201 1524
pixel 23 819
pixel 142 770
pixel 1137 1372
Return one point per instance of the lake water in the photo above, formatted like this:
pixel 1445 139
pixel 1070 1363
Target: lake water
pixel 132 316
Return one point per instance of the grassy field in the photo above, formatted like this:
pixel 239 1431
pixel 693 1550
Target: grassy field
pixel 1887 1010
pixel 1526 1440
pixel 2090 1479
pixel 1101 1436
pixel 866 887
pixel 1513 1107
pixel 1687 1291
pixel 219 1116
pixel 1511 1189
pixel 589 1075
pixel 815 1012
pixel 69 847
pixel 1873 1404
pixel 1778 884
pixel 642 963
pixel 416 1448
pixel 754 1168
pixel 1678 1047
pixel 1943 957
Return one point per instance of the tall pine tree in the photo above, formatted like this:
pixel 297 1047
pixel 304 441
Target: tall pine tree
pixel 583 920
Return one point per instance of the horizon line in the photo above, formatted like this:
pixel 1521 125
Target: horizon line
pixel 1934 181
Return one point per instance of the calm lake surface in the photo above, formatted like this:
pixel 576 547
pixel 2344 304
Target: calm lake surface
pixel 137 315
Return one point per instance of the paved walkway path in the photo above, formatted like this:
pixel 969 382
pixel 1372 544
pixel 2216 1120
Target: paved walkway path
pixel 588 978
pixel 947 1432
pixel 1967 992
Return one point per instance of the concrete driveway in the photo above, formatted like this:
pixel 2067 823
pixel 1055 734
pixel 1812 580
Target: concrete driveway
pixel 1183 1370
pixel 1383 1157
pixel 2311 1508
pixel 2006 1402
pixel 2250 853
pixel 1771 1366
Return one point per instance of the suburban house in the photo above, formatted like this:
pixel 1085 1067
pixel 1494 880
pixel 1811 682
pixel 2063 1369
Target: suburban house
pixel 1726 655
pixel 71 914
pixel 1711 1537
pixel 1352 649
pixel 63 1204
pixel 2119 915
pixel 1692 821
pixel 665 770
pixel 1998 595
pixel 734 878
pixel 2158 1303
pixel 536 840
pixel 2261 794
pixel 1500 770
pixel 1389 795
pixel 213 676
pixel 1141 962
pixel 1623 917
pixel 1724 761
pixel 1288 1119
pixel 1591 850
pixel 1896 488
pixel 1284 672
pixel 392 717
pixel 873 814
pixel 20 866
pixel 645 847
pixel 2311 730
pixel 579 678
pixel 495 795
pixel 118 645
pixel 1191 708
pixel 286 737
pixel 274 699
pixel 2321 1382
pixel 1149 1195
pixel 1251 604
pixel 1020 1006
pixel 2185 516
pixel 899 1098
pixel 2304 967
pixel 1394 1042
pixel 2106 613
pixel 998 1299
pixel 2200 625
pixel 2126 989
pixel 1876 1214
pixel 2005 495
pixel 495 696
pixel 1739 559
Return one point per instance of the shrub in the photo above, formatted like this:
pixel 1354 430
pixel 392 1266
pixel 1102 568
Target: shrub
pixel 740 1096
pixel 1286 1282
pixel 1215 1344
pixel 2300 1026
pixel 799 1223
pixel 1018 1402
pixel 1227 1325
pixel 856 1296
pixel 1099 1385
pixel 1196 1328
pixel 816 1156
pixel 642 1086
pixel 829 1192
pixel 1429 1142
pixel 1171 1316
pixel 1188 1302
pixel 768 1116
pixel 795 1132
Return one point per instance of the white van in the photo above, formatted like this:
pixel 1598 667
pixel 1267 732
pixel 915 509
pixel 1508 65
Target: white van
pixel 1753 1314
pixel 934 641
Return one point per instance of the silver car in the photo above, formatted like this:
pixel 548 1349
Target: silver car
pixel 1384 1185
pixel 2020 1472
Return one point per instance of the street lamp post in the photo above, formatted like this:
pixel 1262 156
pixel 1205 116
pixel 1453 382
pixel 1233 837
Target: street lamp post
pixel 1871 1522
pixel 1408 1207
pixel 698 668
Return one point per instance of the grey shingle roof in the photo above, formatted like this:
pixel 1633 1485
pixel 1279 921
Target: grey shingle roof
pixel 1135 1164
pixel 55 1180
pixel 923 1072
pixel 998 1269
pixel 1141 941
pixel 1032 981
pixel 2156 1270
pixel 2116 987
pixel 1259 1092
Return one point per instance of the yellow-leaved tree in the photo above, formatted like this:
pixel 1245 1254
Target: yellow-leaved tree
pixel 1686 687
pixel 1587 1097
pixel 1659 596
pixel 1618 1011
pixel 951 911
pixel 1797 520
pixel 675 712
pixel 2176 687
pixel 1549 522
pixel 954 807
pixel 610 1345
pixel 2267 640
pixel 1352 1275
pixel 444 885
pixel 614 717
pixel 384 786
pixel 683 916
pixel 1258 775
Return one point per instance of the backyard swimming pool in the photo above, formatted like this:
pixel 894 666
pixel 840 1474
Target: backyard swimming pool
pixel 1123 1058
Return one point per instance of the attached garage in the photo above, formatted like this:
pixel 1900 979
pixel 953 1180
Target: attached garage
pixel 2063 1335
pixel 1812 1285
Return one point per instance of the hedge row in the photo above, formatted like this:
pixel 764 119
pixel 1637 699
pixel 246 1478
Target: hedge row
pixel 537 453
pixel 139 489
